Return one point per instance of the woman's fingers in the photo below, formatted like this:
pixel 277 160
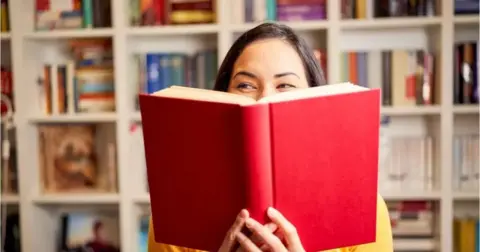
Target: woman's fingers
pixel 230 238
pixel 265 234
pixel 246 243
pixel 288 229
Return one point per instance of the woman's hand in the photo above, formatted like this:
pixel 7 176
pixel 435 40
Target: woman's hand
pixel 230 240
pixel 271 241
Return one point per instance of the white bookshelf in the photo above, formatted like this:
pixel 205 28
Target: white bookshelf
pixel 39 213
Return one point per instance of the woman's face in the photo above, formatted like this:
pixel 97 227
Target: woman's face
pixel 267 67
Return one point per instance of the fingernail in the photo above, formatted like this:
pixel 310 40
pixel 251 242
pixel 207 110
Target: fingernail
pixel 244 213
pixel 271 211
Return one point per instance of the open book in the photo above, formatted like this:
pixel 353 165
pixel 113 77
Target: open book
pixel 310 153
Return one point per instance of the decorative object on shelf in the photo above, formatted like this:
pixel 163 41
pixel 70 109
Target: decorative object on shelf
pixel 89 232
pixel 70 161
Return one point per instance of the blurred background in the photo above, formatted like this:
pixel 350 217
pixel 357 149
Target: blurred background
pixel 73 168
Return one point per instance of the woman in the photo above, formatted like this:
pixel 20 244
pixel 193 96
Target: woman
pixel 267 59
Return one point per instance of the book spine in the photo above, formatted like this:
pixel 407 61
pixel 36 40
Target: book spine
pixel 258 162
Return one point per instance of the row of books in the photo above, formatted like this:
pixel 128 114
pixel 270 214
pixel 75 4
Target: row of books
pixel 72 14
pixel 83 84
pixel 406 77
pixel 157 71
pixel 4 16
pixel 245 11
pixel 466 234
pixel 465 85
pixel 466 163
pixel 412 223
pixel 171 12
pixel 360 9
pixel 407 165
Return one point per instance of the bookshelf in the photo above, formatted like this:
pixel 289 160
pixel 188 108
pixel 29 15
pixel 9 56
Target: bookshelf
pixel 30 49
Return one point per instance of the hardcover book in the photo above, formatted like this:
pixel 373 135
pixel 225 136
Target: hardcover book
pixel 310 153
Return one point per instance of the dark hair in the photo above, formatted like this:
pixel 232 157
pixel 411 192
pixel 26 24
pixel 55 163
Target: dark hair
pixel 313 71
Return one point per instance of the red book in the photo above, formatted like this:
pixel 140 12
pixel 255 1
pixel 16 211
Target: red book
pixel 312 154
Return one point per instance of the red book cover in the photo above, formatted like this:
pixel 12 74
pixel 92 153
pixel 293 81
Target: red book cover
pixel 312 154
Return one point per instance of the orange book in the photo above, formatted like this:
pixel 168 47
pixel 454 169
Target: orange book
pixel 210 154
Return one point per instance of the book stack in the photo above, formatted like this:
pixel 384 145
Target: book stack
pixel 412 225
pixel 83 83
pixel 407 77
pixel 171 12
pixel 465 163
pixel 466 234
pixel 72 14
pixel 361 9
pixel 465 86
pixel 247 11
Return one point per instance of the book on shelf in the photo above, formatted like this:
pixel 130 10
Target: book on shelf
pixel 465 85
pixel 413 222
pixel 361 9
pixel 407 77
pixel 466 233
pixel 286 151
pixel 89 231
pixel 6 83
pixel 83 82
pixel 247 11
pixel 5 16
pixel 406 161
pixel 156 71
pixel 77 158
pixel 171 12
pixel 72 14
pixel 466 163
pixel 11 234
pixel 463 7
pixel 137 153
pixel 144 226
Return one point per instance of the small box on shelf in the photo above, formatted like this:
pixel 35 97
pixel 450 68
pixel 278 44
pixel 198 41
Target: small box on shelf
pixel 77 158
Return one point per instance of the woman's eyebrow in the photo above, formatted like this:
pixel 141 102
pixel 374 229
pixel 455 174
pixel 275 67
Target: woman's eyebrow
pixel 285 74
pixel 248 74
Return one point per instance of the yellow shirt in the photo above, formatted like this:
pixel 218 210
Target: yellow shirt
pixel 383 241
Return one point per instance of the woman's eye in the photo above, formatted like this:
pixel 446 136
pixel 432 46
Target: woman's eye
pixel 285 86
pixel 245 86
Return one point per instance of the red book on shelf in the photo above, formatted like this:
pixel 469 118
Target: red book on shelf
pixel 312 154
